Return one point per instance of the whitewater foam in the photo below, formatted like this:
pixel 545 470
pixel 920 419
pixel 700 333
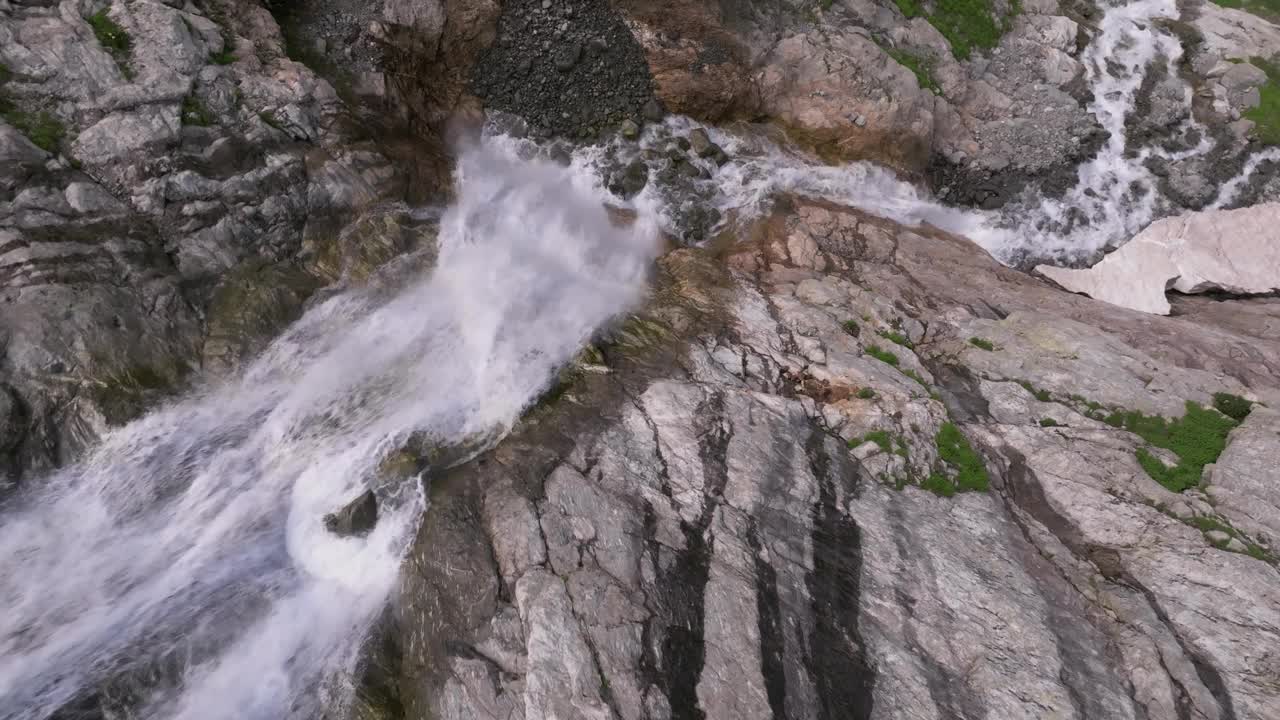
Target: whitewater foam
pixel 188 547
pixel 1115 194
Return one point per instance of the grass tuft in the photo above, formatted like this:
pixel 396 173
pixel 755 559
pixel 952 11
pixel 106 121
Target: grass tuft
pixel 883 356
pixel 44 130
pixel 270 119
pixel 982 344
pixel 1233 406
pixel 1197 439
pixel 970 471
pixel 851 327
pixel 109 34
pixel 921 67
pixel 966 24
pixel 866 393
pixel 1041 395
pixel 879 437
pixel 1266 116
pixel 1267 9
pixel 916 376
pixel 1049 422
pixel 895 337
pixel 195 113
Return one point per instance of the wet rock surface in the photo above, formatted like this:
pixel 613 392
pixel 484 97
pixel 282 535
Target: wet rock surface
pixel 356 518
pixel 737 520
pixel 170 229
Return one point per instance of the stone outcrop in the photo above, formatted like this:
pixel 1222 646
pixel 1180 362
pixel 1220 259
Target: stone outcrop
pixel 735 521
pixel 1233 251
pixel 857 80
pixel 157 168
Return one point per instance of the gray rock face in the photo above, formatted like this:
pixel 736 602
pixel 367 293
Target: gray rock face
pixel 189 166
pixel 734 522
pixel 857 80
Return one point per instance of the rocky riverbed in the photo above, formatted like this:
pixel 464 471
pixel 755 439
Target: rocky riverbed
pixel 838 463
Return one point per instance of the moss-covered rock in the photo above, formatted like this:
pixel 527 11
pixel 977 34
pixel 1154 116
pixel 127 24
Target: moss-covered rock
pixel 249 307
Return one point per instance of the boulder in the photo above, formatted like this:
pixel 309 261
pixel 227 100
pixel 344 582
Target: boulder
pixel 838 92
pixel 356 518
pixel 1234 251
pixel 700 67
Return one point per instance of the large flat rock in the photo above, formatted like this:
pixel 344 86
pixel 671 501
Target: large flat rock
pixel 1236 251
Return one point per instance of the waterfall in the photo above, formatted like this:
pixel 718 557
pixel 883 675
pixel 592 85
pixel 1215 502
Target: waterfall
pixel 190 545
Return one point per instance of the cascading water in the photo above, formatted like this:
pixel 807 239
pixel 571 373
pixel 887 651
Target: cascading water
pixel 1114 197
pixel 191 541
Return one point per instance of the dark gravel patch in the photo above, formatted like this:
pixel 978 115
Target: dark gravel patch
pixel 569 67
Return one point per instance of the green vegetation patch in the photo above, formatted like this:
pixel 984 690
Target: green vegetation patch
pixel 195 113
pixel 1233 406
pixel 970 471
pixel 1049 422
pixel 42 129
pixel 270 119
pixel 895 337
pixel 112 36
pixel 879 437
pixel 1041 395
pixel 882 355
pixel 1197 438
pixel 982 344
pixel 1268 9
pixel 851 327
pixel 916 376
pixel 1207 525
pixel 921 67
pixel 966 24
pixel 866 393
pixel 1266 116
pixel 227 55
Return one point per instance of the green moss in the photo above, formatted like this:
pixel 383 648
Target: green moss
pixel 1266 116
pixel 866 393
pixel 895 337
pixel 227 55
pixel 1041 395
pixel 939 484
pixel 1233 406
pixel 851 327
pixel 1269 9
pixel 879 437
pixel 112 36
pixel 42 129
pixel 194 112
pixel 883 356
pixel 982 344
pixel 270 119
pixel 916 376
pixel 954 449
pixel 1049 422
pixel 966 24
pixel 921 67
pixel 1197 438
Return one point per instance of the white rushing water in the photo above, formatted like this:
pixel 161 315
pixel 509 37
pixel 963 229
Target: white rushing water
pixel 192 539
pixel 1115 195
